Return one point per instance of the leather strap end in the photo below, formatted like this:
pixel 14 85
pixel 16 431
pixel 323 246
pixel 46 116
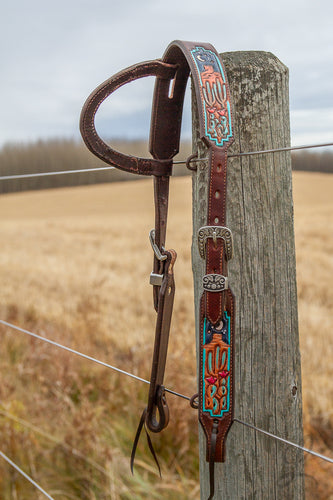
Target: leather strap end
pixel 150 444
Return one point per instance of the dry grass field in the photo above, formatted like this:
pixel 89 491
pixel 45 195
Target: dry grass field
pixel 74 267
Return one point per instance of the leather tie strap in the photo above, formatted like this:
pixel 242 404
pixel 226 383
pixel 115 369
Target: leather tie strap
pixel 213 441
pixel 142 424
pixel 215 243
pixel 156 397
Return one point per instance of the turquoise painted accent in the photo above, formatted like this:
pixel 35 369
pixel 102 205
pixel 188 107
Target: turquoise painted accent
pixel 210 361
pixel 217 356
pixel 223 358
pixel 210 57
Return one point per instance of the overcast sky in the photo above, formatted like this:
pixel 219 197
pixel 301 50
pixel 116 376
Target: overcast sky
pixel 53 54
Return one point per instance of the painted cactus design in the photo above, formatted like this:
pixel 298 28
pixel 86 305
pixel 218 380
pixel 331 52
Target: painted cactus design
pixel 216 368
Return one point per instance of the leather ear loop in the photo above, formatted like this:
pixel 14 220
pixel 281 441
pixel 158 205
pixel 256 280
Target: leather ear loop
pixel 142 166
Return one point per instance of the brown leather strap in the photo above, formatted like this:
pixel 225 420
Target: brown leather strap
pixel 214 239
pixel 216 262
pixel 161 198
pixel 212 450
pixel 156 399
pixel 217 303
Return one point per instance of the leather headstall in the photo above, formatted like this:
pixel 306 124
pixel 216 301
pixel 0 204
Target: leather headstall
pixel 215 243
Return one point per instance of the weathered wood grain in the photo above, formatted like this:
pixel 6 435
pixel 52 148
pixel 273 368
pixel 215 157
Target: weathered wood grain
pixel 263 279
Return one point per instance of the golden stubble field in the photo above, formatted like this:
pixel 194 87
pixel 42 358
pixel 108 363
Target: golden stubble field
pixel 74 267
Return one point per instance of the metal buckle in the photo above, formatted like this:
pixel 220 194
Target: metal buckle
pixel 215 232
pixel 215 282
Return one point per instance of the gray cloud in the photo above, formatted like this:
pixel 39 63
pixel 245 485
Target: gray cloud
pixel 54 54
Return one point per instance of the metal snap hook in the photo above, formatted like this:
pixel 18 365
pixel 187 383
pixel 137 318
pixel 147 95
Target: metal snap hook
pixel 155 248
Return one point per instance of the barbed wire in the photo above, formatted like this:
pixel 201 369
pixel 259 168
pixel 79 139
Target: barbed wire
pixel 18 469
pixel 73 351
pixel 177 162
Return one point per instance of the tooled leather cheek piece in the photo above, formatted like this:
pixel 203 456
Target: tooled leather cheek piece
pixel 215 242
pixel 215 398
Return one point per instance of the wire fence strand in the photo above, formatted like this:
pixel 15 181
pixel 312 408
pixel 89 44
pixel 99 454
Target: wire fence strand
pixel 73 351
pixel 290 443
pixel 178 162
pixel 278 150
pixel 265 151
pixel 116 369
pixel 60 172
pixel 85 356
pixel 53 439
pixel 90 358
pixel 18 469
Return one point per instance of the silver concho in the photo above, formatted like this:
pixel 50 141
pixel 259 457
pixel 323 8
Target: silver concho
pixel 215 232
pixel 215 282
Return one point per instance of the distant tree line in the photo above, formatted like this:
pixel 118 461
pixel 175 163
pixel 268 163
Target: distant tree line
pixel 313 162
pixel 57 155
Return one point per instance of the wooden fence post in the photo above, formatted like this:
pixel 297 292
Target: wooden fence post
pixel 263 278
